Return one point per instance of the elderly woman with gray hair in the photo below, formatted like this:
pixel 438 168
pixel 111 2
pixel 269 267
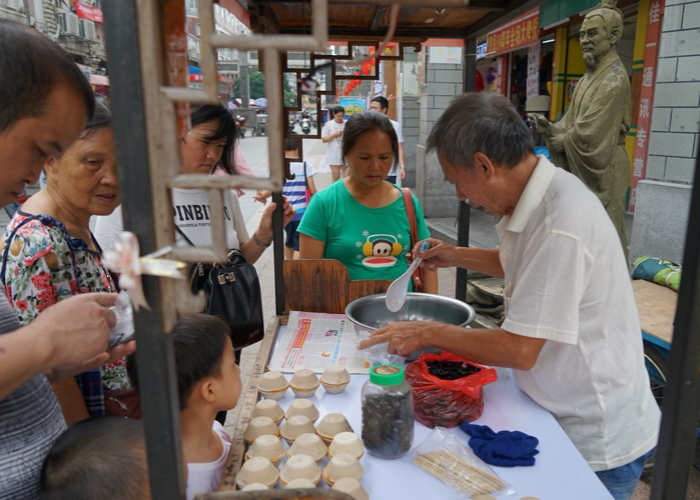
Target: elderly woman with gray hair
pixel 50 254
pixel 362 220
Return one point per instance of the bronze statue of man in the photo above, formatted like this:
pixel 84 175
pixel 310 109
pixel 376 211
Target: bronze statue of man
pixel 589 140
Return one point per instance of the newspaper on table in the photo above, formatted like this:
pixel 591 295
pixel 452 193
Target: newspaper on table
pixel 315 340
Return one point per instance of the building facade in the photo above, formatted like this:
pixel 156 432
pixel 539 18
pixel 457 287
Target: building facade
pixel 75 26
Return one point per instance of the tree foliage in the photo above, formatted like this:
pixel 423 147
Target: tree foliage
pixel 257 88
pixel 257 85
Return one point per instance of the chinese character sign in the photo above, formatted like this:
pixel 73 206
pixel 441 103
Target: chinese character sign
pixel 646 100
pixel 518 33
pixel 481 51
pixel 446 55
pixel 533 71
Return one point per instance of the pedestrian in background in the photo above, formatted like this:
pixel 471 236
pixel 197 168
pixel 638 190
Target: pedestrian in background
pixel 381 104
pixel 298 192
pixel 332 134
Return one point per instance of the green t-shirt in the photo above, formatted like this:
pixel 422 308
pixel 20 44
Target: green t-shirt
pixel 372 243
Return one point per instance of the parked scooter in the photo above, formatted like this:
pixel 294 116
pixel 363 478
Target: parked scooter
pixel 240 121
pixel 306 125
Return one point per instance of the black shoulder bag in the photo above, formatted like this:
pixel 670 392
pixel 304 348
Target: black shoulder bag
pixel 232 291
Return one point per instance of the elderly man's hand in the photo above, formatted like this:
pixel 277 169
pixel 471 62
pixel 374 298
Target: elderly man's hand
pixel 403 337
pixel 440 254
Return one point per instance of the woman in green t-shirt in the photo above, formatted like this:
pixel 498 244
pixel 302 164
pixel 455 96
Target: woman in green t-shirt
pixel 361 220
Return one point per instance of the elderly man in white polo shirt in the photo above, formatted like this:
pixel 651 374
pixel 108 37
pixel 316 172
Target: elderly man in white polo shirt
pixel 571 331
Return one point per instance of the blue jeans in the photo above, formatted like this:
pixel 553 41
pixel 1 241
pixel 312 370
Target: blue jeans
pixel 391 179
pixel 622 481
pixel 292 230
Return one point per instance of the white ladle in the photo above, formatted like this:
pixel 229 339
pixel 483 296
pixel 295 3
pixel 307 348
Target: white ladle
pixel 396 294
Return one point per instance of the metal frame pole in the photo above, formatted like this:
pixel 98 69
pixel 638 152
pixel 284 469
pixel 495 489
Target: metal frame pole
pixel 462 241
pixel 155 359
pixel 463 220
pixel 674 455
pixel 278 250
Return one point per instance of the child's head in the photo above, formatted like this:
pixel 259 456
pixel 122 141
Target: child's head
pixel 207 373
pixel 97 458
pixel 291 148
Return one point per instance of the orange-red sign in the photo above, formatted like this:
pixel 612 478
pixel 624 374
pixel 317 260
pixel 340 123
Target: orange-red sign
pixel 88 12
pixel 518 33
pixel 646 99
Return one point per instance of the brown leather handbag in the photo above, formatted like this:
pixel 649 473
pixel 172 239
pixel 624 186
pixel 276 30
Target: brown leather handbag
pixel 123 403
pixel 417 278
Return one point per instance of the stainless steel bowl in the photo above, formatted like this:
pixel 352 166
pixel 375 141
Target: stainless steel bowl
pixel 371 313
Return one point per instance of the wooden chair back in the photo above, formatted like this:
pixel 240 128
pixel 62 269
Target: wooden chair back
pixel 324 286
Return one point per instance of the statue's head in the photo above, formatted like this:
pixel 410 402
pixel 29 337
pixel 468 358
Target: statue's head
pixel 600 32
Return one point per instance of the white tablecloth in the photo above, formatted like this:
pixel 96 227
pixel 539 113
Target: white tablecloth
pixel 560 472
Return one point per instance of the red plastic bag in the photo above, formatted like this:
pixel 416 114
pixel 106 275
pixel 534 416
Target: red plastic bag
pixel 447 403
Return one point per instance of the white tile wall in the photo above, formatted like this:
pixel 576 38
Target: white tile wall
pixel 688 69
pixel 671 144
pixel 666 69
pixel 691 16
pixel 685 120
pixel 680 43
pixel 673 18
pixel 676 117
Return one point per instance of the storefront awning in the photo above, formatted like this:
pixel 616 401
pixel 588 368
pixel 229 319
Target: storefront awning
pixel 554 11
pixel 518 33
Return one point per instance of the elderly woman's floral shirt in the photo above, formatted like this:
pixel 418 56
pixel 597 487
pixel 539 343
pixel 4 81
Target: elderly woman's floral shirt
pixel 44 265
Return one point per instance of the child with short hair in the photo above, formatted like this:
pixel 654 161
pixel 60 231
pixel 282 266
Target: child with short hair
pixel 295 191
pixel 102 457
pixel 208 381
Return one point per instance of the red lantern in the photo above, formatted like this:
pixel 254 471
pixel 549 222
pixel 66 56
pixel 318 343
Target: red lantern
pixel 366 68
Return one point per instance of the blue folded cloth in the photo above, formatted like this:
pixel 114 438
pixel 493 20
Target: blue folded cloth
pixel 503 448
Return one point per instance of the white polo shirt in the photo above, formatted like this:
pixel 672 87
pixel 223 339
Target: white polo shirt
pixel 566 281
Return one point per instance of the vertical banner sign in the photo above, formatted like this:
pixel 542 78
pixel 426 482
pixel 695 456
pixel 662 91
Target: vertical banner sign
pixel 409 81
pixel 533 71
pixel 501 75
pixel 518 33
pixel 646 100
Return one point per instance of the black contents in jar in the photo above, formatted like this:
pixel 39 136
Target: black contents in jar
pixel 451 370
pixel 387 423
